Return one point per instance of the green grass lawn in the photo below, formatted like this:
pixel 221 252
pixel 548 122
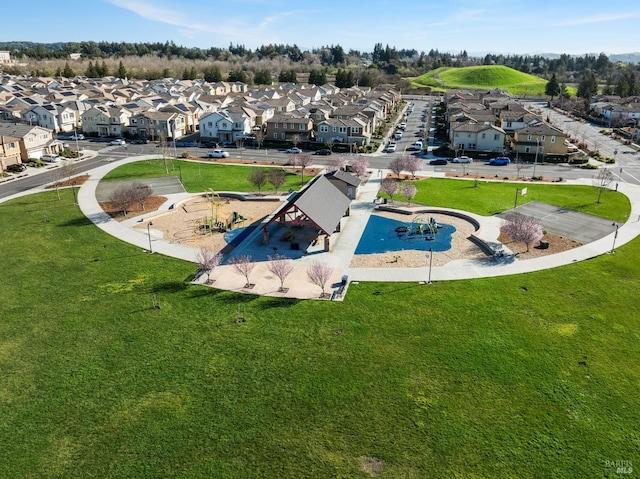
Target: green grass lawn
pixel 197 177
pixel 492 197
pixel 485 76
pixel 524 376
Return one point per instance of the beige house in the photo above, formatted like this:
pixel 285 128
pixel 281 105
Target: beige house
pixel 158 124
pixel 34 141
pixel 9 151
pixel 106 121
pixel 542 140
pixel 286 127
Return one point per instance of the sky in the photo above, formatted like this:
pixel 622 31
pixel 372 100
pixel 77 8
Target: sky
pixel 490 26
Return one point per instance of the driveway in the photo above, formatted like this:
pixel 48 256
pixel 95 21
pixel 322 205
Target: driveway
pixel 567 223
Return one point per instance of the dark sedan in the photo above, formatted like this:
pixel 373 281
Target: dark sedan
pixel 438 161
pixel 323 152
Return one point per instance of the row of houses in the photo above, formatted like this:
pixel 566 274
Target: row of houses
pixel 492 123
pixel 220 112
pixel 614 111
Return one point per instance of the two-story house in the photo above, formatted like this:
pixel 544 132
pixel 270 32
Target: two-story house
pixel 352 131
pixel 289 127
pixel 156 125
pixel 542 140
pixel 106 121
pixel 9 152
pixel 34 141
pixel 225 126
pixel 478 137
pixel 53 117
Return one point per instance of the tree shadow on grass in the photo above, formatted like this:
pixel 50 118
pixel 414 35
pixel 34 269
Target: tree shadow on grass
pixel 395 290
pixel 169 287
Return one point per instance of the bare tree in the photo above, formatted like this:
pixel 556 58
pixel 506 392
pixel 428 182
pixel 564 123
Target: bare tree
pixel 207 261
pixel 122 197
pixel 319 273
pixel 276 177
pixel 165 149
pixel 359 166
pixel 244 266
pixel 295 139
pixel 390 186
pixel 602 180
pixel 408 190
pixel 397 165
pixel 303 161
pixel 68 169
pixel 522 229
pixel 337 163
pixel 258 178
pixel 281 267
pixel 141 193
pixel 412 165
pixel 259 134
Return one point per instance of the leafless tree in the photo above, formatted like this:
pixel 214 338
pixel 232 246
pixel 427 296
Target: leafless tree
pixel 397 165
pixel 522 229
pixel 408 190
pixel 281 267
pixel 303 161
pixel 295 139
pixel 243 265
pixel 165 149
pixel 602 180
pixel 258 178
pixel 259 134
pixel 122 197
pixel 276 177
pixel 412 165
pixel 69 169
pixel 319 273
pixel 141 193
pixel 337 163
pixel 359 166
pixel 207 261
pixel 390 186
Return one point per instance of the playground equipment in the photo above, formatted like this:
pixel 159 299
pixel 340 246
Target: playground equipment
pixel 421 226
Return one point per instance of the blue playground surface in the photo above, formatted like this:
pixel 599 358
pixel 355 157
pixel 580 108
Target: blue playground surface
pixel 383 235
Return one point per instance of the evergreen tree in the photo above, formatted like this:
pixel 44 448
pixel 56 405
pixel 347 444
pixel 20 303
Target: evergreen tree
pixel 237 75
pixel 317 77
pixel 588 87
pixel 552 87
pixel 104 69
pixel 122 71
pixel 262 77
pixel 68 71
pixel 90 71
pixel 212 74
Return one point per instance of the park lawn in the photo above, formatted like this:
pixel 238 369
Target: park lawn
pixel 492 197
pixel 198 177
pixel 524 376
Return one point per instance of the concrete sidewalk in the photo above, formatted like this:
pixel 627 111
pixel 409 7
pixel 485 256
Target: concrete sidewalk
pixel 345 243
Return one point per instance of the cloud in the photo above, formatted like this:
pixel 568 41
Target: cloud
pixel 598 19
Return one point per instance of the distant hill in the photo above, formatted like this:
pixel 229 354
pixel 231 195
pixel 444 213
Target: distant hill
pixel 482 77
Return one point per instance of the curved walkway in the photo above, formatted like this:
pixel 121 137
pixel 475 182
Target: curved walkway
pixel 345 243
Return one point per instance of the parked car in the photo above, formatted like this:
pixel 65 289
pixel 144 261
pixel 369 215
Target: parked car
pixel 462 159
pixel 17 168
pixel 402 126
pixel 294 150
pixel 50 158
pixel 500 161
pixel 391 147
pixel 140 141
pixel 438 161
pixel 118 142
pixel 77 137
pixel 218 154
pixel 324 152
pixel 398 136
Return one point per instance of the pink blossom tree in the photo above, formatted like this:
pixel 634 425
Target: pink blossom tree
pixel 303 161
pixel 337 163
pixel 280 267
pixel 207 261
pixel 397 165
pixel 408 190
pixel 390 187
pixel 319 273
pixel 359 166
pixel 412 165
pixel 244 266
pixel 522 229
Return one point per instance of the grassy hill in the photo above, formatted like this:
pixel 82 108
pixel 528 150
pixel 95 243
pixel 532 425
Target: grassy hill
pixel 482 77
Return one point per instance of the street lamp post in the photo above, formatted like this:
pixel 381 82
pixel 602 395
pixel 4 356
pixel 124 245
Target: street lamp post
pixel 75 134
pixel 430 264
pixel 73 189
pixel 615 236
pixel 149 225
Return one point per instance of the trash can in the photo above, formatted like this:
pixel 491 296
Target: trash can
pixel 344 280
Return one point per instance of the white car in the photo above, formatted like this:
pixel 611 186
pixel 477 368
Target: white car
pixel 118 142
pixel 391 147
pixel 462 159
pixel 77 137
pixel 294 151
pixel 402 126
pixel 50 158
pixel 218 154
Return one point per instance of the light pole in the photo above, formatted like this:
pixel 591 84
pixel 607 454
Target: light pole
pixel 615 236
pixel 75 134
pixel 430 264
pixel 149 225
pixel 73 189
pixel 173 133
pixel 535 161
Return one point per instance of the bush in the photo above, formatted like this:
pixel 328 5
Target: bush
pixel 185 154
pixel 589 166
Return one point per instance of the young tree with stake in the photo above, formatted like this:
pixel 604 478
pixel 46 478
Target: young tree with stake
pixel 522 229
pixel 243 265
pixel 280 267
pixel 207 261
pixel 319 273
